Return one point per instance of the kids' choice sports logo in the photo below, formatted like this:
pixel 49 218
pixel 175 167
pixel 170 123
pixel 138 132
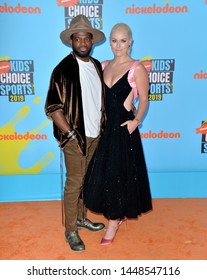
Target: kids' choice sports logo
pixel 16 79
pixel 92 9
pixel 203 131
pixel 160 73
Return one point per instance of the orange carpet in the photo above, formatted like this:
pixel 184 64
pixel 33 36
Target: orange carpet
pixel 176 229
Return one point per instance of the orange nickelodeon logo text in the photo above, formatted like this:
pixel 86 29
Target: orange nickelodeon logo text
pixel 19 9
pixel 161 134
pixel 200 75
pixel 154 9
pixel 26 136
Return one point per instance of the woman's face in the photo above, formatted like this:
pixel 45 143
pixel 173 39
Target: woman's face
pixel 120 42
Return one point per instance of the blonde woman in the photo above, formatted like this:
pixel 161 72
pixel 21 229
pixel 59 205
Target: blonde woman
pixel 116 182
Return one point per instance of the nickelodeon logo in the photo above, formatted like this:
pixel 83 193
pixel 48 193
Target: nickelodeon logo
pixel 203 128
pixel 203 131
pixel 4 65
pixel 19 9
pixel 161 134
pixel 154 9
pixel 26 136
pixel 67 3
pixel 200 75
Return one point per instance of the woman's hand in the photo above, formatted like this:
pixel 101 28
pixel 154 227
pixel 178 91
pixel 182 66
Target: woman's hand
pixel 131 125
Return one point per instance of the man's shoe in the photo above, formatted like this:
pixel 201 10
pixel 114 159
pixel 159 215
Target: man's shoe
pixel 74 240
pixel 87 224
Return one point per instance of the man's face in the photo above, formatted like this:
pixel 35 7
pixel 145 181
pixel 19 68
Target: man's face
pixel 82 43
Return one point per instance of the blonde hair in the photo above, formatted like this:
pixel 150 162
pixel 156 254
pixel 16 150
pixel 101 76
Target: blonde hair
pixel 122 26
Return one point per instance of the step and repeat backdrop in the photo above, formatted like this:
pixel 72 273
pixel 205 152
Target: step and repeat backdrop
pixel 169 37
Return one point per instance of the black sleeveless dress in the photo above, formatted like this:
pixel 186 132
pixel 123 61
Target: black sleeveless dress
pixel 116 182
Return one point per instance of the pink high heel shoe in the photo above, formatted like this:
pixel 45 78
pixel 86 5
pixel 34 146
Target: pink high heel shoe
pixel 105 241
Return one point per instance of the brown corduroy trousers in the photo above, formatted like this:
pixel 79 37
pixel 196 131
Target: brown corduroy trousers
pixel 76 166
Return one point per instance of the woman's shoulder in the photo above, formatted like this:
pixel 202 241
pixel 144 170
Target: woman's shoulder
pixel 104 63
pixel 133 67
pixel 135 64
pixel 137 68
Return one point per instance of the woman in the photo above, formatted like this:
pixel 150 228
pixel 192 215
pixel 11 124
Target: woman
pixel 116 182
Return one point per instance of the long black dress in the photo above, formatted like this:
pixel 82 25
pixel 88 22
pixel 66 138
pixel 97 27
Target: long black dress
pixel 116 182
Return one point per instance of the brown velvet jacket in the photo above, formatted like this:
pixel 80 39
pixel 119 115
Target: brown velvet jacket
pixel 64 94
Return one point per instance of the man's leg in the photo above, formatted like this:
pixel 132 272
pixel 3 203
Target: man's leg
pixel 74 177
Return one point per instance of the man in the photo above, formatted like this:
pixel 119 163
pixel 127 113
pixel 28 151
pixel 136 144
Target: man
pixel 75 102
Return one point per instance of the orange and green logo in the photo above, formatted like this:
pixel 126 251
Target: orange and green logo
pixel 67 3
pixel 147 62
pixel 4 64
pixel 203 131
pixel 203 128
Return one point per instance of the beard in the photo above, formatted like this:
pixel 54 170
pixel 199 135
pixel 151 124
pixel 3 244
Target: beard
pixel 82 54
